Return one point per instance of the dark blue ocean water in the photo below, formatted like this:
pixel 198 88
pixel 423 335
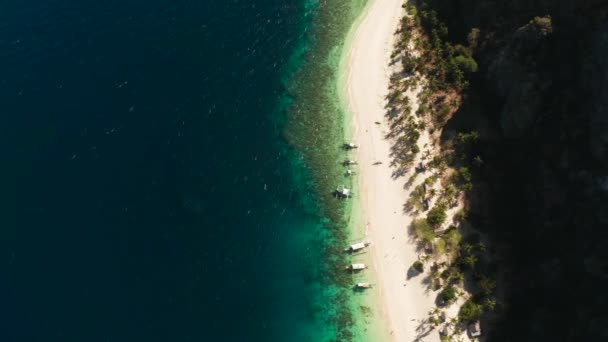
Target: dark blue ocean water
pixel 147 193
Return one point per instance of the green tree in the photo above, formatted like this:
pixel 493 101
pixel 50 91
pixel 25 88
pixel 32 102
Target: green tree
pixel 489 304
pixel 423 230
pixel 473 37
pixel 452 238
pixel 466 248
pixel 465 138
pixel 465 63
pixel 458 277
pixel 440 246
pixel 486 285
pixel 436 216
pixel 448 294
pixel 477 161
pixel 465 174
pixel 470 261
pixel 418 266
pixel 543 23
pixel 470 311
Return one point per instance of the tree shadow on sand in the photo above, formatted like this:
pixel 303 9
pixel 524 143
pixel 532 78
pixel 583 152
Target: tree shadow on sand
pixel 423 330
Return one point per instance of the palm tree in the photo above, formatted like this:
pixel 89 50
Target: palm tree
pixel 458 277
pixel 453 321
pixel 467 248
pixel 470 261
pixel 490 304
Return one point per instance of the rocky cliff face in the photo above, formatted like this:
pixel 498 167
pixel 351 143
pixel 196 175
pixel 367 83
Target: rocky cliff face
pixel 596 74
pixel 517 81
pixel 544 66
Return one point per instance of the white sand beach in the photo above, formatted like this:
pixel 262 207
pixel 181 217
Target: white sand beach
pixel 404 304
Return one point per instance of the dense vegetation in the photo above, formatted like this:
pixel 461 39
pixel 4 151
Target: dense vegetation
pixel 519 88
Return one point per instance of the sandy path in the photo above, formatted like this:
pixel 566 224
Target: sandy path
pixel 381 198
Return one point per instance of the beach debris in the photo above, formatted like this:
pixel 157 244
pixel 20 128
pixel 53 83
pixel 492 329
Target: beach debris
pixel 377 122
pixel 377 163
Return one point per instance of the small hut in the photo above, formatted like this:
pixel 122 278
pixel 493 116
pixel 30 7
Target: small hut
pixel 475 329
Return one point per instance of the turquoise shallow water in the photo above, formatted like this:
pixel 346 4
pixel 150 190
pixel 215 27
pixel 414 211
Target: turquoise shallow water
pixel 315 128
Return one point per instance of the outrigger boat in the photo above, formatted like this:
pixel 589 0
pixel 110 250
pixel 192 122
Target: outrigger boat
pixel 357 246
pixel 362 286
pixel 350 172
pixel 349 162
pixel 356 267
pixel 342 192
pixel 350 146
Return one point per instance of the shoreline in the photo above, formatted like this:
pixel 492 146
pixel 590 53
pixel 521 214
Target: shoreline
pixel 399 306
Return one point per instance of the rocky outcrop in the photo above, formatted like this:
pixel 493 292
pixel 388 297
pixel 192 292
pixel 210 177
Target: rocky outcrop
pixel 546 171
pixel 596 76
pixel 516 78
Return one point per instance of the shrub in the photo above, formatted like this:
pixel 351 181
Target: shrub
pixel 423 230
pixel 466 64
pixel 418 266
pixel 543 24
pixel 445 274
pixel 470 311
pixel 436 216
pixel 452 238
pixel 462 50
pixel 440 246
pixel 448 294
pixel 409 65
pixel 430 180
pixel 443 112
